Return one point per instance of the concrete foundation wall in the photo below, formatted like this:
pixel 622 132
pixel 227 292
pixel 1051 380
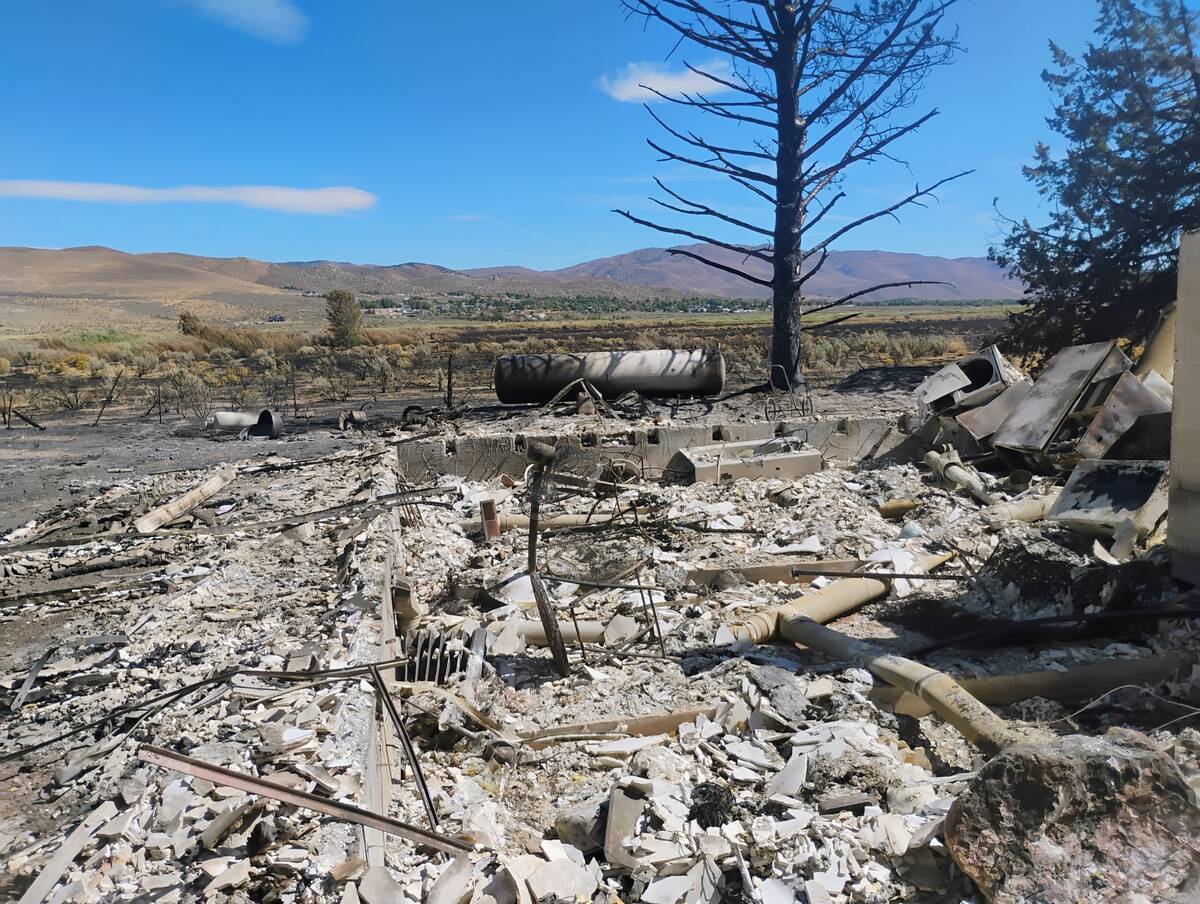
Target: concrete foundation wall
pixel 486 457
pixel 1184 526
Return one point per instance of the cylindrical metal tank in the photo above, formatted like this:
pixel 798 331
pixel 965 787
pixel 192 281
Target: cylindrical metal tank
pixel 231 421
pixel 265 423
pixel 538 378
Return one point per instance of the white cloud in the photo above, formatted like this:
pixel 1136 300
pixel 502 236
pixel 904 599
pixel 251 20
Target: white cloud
pixel 280 21
pixel 266 197
pixel 633 81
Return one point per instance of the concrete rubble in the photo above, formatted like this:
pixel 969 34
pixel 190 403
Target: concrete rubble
pixel 680 759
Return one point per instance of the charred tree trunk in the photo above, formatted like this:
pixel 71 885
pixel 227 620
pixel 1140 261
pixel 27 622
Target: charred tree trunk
pixel 786 349
pixel 812 88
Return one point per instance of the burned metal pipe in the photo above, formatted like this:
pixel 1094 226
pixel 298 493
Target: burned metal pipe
pixel 230 421
pixel 826 604
pixel 266 423
pixel 951 469
pixel 538 378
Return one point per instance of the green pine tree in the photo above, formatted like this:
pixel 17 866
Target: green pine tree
pixel 1125 186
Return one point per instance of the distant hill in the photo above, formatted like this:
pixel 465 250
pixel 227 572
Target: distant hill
pixel 843 272
pixel 646 273
pixel 105 273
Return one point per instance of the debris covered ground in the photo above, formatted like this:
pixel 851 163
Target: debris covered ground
pixel 672 763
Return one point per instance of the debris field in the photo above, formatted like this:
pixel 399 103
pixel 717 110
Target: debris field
pixel 956 669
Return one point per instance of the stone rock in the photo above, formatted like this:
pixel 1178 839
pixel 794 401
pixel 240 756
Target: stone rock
pixel 583 824
pixel 659 762
pixel 231 877
pixel 1079 819
pixel 785 691
pixel 727 580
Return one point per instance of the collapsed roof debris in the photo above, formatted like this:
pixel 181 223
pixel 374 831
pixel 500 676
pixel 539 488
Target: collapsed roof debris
pixel 660 658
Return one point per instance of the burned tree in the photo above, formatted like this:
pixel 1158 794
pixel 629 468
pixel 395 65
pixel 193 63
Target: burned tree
pixel 820 85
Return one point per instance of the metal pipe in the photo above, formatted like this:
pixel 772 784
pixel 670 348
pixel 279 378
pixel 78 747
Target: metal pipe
pixel 218 775
pixel 945 696
pixel 535 634
pixel 538 378
pixel 822 605
pixel 266 423
pixel 950 468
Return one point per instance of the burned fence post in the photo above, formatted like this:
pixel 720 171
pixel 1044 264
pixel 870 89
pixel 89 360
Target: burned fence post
pixel 543 457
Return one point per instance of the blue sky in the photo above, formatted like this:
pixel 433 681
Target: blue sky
pixel 466 134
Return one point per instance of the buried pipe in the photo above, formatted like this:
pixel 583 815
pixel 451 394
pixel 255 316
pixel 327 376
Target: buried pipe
pixel 1082 683
pixel 822 605
pixel 539 378
pixel 951 469
pixel 509 522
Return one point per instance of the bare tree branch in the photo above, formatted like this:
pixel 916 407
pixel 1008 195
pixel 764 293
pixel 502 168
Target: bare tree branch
pixel 740 249
pixel 704 210
pixel 736 272
pixel 887 285
pixel 887 211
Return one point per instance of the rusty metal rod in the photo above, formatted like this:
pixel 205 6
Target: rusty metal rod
pixel 218 775
pixel 410 752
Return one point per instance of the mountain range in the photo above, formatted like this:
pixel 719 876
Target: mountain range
pixel 98 272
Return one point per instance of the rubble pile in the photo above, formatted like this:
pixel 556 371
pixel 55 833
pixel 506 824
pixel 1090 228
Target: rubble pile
pixel 318 682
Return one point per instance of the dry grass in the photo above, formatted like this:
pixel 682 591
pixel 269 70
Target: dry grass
pixel 207 364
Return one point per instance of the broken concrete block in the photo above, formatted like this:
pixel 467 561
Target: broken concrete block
pixel 561 879
pixel 233 876
pixel 1059 821
pixel 455 884
pixel 378 887
pixel 668 890
pixel 220 824
pixel 752 459
pixel 660 763
pixel 790 779
pixel 620 629
pixel 777 891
